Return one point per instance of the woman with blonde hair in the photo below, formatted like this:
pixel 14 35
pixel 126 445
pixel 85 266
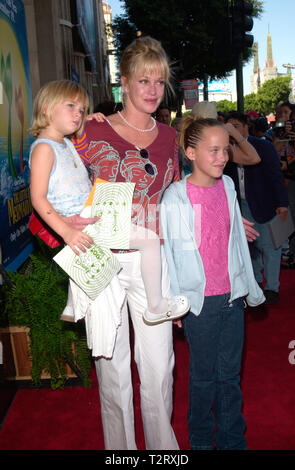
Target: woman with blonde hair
pixel 133 135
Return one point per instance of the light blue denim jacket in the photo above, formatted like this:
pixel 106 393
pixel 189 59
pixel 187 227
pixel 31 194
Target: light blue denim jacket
pixel 185 265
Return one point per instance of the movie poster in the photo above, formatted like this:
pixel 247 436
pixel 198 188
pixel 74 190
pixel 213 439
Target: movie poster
pixel 15 118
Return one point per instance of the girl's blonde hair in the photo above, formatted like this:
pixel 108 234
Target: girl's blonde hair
pixel 49 95
pixel 147 54
pixel 192 129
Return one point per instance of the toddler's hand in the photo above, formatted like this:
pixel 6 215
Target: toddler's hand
pixel 77 240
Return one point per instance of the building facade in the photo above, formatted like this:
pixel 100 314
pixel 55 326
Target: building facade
pixel 67 40
pixel 107 12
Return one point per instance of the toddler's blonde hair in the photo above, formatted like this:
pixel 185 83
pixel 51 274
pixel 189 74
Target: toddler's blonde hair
pixel 49 95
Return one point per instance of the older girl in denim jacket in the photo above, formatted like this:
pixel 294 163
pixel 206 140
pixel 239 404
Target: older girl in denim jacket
pixel 209 261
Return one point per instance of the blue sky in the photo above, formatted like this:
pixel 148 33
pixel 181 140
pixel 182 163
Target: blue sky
pixel 279 16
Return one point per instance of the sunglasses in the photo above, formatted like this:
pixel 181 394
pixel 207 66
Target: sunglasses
pixel 144 153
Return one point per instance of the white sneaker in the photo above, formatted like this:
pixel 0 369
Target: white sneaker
pixel 178 307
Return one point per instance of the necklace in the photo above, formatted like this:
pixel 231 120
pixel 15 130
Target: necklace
pixel 136 128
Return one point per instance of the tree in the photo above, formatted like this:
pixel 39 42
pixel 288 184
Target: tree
pixel 225 106
pixel 250 102
pixel 195 35
pixel 271 93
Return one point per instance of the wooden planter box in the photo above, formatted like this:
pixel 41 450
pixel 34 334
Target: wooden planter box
pixel 16 359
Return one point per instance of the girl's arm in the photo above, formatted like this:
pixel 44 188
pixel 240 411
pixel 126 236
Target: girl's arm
pixel 242 152
pixel 42 161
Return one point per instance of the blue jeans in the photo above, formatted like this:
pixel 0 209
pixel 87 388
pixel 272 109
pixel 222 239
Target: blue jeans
pixel 263 254
pixel 215 339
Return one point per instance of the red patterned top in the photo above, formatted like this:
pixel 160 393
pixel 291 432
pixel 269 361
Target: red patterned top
pixel 112 158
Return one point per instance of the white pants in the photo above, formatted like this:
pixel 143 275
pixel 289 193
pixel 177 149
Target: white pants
pixel 154 357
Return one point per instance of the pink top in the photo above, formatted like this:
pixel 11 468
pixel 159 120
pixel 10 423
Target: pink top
pixel 212 228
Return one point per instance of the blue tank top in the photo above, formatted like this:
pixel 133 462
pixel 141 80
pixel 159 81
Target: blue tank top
pixel 69 185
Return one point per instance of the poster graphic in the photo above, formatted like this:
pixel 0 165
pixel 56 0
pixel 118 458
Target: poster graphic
pixel 15 119
pixel 190 92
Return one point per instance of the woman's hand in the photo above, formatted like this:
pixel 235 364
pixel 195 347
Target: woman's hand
pixel 99 117
pixel 79 223
pixel 251 233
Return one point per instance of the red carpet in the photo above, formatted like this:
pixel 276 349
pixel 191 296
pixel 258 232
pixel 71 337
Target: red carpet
pixel 69 419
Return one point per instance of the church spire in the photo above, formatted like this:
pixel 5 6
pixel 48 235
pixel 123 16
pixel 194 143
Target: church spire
pixel 269 60
pixel 256 61
pixel 255 77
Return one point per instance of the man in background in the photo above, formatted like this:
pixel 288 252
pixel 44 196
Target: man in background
pixel 163 114
pixel 262 195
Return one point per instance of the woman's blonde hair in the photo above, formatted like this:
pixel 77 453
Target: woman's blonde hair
pixel 147 54
pixel 49 95
pixel 192 129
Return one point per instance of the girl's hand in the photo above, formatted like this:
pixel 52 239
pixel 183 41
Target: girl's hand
pixel 251 233
pixel 77 240
pixel 99 117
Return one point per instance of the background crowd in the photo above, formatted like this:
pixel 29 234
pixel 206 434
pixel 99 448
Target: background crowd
pixel 264 189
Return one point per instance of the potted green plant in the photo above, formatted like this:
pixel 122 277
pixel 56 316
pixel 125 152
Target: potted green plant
pixel 35 297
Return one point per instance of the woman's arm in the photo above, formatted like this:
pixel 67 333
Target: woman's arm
pixel 99 117
pixel 242 151
pixel 42 161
